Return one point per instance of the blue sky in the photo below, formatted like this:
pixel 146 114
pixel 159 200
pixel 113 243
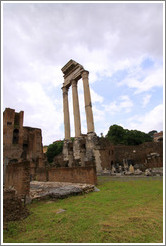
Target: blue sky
pixel 120 44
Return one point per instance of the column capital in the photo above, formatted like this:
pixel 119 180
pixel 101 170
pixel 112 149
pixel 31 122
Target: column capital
pixel 85 74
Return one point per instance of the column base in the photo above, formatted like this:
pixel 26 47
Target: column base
pixel 83 151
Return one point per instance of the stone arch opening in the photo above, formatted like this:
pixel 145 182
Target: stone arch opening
pixel 15 136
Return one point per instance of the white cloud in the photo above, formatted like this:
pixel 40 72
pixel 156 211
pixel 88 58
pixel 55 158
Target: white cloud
pixel 124 104
pixel 152 120
pixel 96 97
pixel 41 112
pixel 153 79
pixel 146 100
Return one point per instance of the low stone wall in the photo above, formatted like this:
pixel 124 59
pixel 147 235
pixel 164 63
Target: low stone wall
pixel 41 174
pixel 84 175
pixel 18 176
pixel 73 175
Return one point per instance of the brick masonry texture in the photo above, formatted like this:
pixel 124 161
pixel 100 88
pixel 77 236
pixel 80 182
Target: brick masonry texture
pixel 18 176
pixel 85 175
pixel 138 153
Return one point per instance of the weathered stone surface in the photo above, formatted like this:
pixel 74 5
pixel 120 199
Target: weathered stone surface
pixel 137 172
pixel 128 173
pixel 148 172
pixel 57 190
pixel 157 171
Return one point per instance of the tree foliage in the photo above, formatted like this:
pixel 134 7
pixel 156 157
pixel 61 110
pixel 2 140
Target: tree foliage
pixel 53 150
pixel 118 135
pixel 151 133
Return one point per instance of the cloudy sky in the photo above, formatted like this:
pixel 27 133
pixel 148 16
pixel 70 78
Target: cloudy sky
pixel 120 44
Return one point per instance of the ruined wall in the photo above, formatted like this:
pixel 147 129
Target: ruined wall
pixel 107 156
pixel 21 143
pixel 73 174
pixel 12 134
pixel 104 154
pixel 32 143
pixel 58 160
pixel 41 174
pixel 18 176
pixel 13 207
pixel 67 174
pixel 12 127
pixel 138 153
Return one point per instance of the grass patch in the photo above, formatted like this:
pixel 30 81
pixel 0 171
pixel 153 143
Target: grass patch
pixel 121 212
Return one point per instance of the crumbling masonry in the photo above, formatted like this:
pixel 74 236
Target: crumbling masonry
pixel 21 143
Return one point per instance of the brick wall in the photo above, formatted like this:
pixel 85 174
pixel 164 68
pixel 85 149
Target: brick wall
pixel 18 176
pixel 138 153
pixel 107 157
pixel 41 174
pixel 73 174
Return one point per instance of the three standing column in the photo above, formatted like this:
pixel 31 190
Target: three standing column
pixel 66 112
pixel 76 110
pixel 88 104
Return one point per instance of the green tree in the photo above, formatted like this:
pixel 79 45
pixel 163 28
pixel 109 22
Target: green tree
pixel 135 137
pixel 53 150
pixel 151 133
pixel 118 135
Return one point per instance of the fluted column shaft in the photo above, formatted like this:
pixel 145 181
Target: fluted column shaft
pixel 76 110
pixel 88 104
pixel 66 113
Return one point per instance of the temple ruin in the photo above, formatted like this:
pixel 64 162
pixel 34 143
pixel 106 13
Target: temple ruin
pixel 81 152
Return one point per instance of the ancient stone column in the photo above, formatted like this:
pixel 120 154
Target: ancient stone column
pixel 76 110
pixel 88 104
pixel 66 112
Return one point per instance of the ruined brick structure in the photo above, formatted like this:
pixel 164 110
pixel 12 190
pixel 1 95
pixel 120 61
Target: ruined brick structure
pixel 16 190
pixel 148 153
pixel 21 143
pixel 18 177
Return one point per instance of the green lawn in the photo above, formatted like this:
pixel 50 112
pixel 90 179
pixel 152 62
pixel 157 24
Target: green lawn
pixel 121 212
